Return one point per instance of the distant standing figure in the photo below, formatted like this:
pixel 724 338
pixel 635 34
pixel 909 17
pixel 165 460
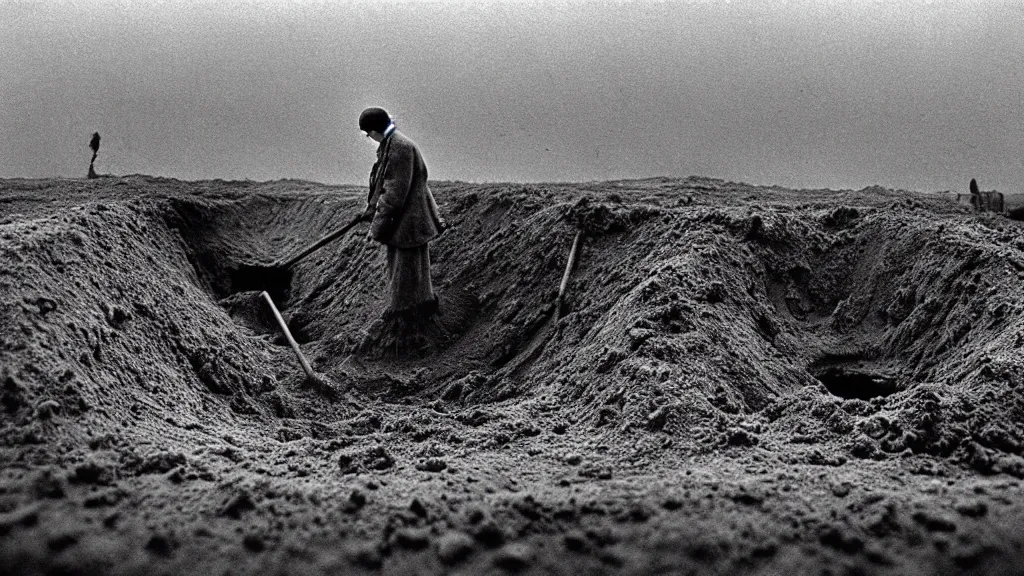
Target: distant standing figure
pixel 403 216
pixel 988 201
pixel 95 145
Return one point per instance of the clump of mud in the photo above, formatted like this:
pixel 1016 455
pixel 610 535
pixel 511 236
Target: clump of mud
pixel 720 345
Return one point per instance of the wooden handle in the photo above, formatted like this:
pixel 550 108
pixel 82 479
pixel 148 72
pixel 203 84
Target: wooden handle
pixel 287 334
pixel 568 270
pixel 319 243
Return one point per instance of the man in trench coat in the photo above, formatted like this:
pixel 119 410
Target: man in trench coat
pixel 403 215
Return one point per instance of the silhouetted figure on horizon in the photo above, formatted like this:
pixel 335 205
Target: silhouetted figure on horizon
pixel 988 201
pixel 95 145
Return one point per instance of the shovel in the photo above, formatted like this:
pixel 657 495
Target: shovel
pixel 276 278
pixel 541 336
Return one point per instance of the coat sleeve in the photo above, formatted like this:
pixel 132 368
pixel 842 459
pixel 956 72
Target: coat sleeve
pixel 394 189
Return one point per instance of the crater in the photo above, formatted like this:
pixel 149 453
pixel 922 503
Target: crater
pixel 855 382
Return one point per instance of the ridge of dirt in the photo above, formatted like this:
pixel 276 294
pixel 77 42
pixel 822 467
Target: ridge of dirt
pixel 742 379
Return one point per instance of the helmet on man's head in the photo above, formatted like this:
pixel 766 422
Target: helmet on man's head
pixel 374 120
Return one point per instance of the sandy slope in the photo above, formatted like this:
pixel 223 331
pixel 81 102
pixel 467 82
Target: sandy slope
pixel 745 379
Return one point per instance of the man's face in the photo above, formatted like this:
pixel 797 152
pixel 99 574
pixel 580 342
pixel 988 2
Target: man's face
pixel 374 135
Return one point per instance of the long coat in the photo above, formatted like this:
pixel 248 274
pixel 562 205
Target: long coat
pixel 406 214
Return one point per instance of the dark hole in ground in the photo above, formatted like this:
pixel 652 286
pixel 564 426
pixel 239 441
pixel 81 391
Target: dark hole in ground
pixel 275 280
pixel 852 383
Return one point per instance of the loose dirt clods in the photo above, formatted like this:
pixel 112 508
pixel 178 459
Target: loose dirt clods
pixel 744 379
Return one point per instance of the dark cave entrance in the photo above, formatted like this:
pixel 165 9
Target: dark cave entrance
pixel 275 280
pixel 853 383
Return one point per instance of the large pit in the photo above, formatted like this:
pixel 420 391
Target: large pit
pixel 865 300
pixel 712 334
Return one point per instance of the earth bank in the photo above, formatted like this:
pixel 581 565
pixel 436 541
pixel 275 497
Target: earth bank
pixel 741 379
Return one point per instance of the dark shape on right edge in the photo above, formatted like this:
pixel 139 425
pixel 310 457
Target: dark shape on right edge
pixel 94 143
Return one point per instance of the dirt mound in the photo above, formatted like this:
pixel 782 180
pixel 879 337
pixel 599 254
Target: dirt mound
pixel 705 324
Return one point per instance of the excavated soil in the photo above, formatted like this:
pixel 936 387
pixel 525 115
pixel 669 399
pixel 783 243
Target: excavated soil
pixel 739 379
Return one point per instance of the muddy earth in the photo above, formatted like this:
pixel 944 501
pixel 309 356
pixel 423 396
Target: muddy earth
pixel 738 379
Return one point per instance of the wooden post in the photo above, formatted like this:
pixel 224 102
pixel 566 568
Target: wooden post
pixel 287 334
pixel 569 265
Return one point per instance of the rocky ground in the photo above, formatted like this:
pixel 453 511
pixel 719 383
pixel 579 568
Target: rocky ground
pixel 740 379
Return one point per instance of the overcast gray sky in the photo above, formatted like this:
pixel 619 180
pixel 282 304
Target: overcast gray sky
pixel 910 94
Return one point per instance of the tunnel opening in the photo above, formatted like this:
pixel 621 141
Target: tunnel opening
pixel 275 280
pixel 855 383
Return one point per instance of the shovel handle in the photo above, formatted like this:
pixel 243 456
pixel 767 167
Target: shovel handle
pixel 569 265
pixel 320 243
pixel 291 341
